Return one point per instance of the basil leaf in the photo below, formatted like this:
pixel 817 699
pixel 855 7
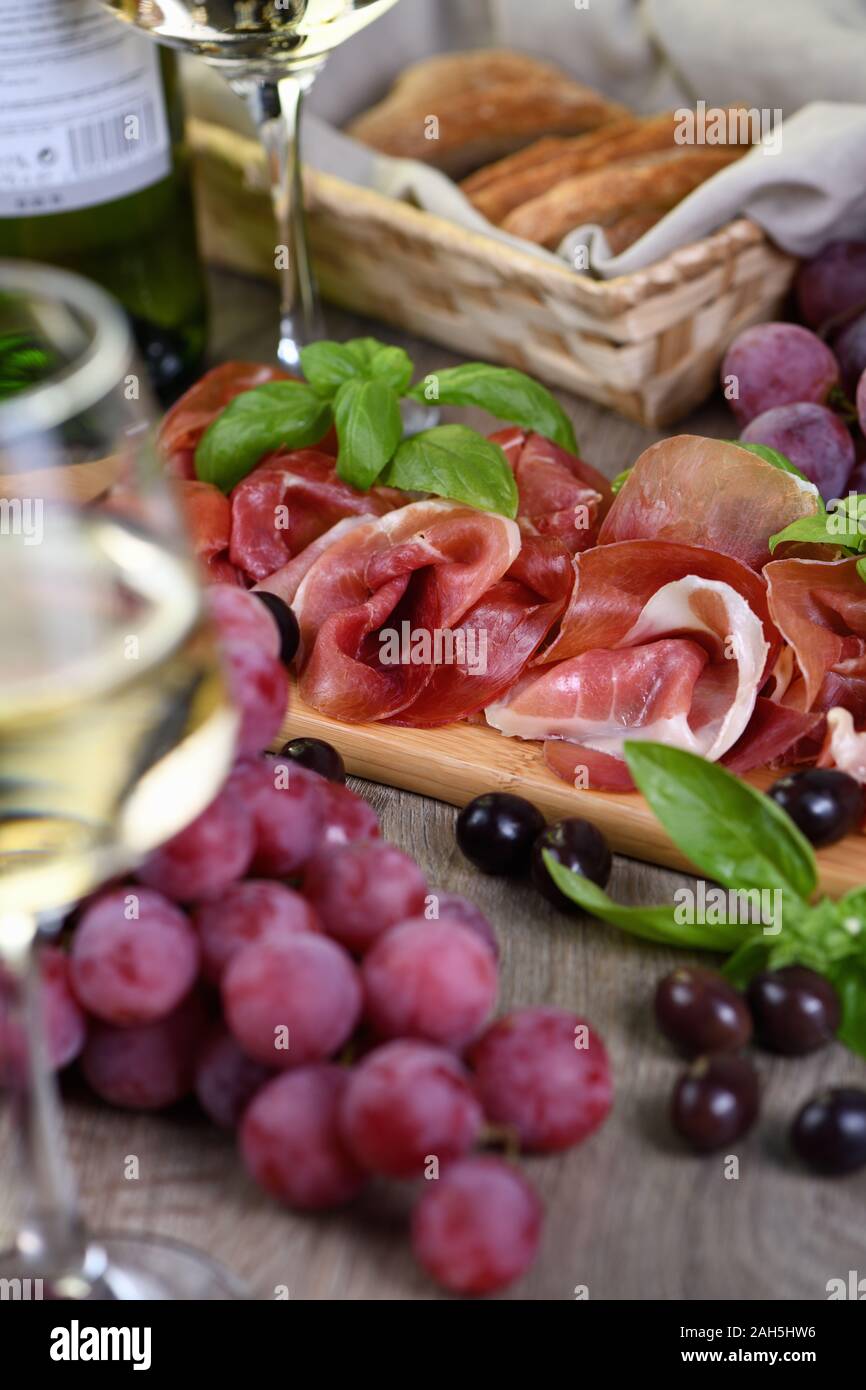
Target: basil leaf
pixel 505 393
pixel 328 365
pixel 393 366
pixel 651 923
pixel 844 526
pixel 732 832
pixel 861 569
pixel 280 414
pixel 369 428
pixel 363 350
pixel 849 978
pixel 746 961
pixel 453 461
pixel 620 480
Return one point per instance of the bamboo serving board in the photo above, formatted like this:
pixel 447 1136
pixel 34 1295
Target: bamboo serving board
pixel 460 761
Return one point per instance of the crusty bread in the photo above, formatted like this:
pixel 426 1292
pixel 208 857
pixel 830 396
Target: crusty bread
pixel 486 104
pixel 627 187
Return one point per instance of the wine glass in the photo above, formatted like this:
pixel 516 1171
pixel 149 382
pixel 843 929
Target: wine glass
pixel 270 51
pixel 115 727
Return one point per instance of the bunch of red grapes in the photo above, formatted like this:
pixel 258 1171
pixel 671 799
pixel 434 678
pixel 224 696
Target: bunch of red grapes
pixel 296 973
pixel 800 390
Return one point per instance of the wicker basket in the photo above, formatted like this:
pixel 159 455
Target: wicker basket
pixel 648 344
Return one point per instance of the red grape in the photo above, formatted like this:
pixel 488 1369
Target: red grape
pixel 434 980
pixel 453 907
pixel 850 348
pixel 148 1066
pixel 477 1227
pixel 259 687
pixel 134 956
pixel 857 481
pixel 64 1020
pixel 290 1143
pixel 246 912
pixel 861 402
pixel 225 1078
pixel 407 1102
pixel 545 1074
pixel 201 861
pixel 292 1001
pixel 346 816
pixel 833 283
pixel 813 438
pixel 359 890
pixel 287 808
pixel 775 364
pixel 239 618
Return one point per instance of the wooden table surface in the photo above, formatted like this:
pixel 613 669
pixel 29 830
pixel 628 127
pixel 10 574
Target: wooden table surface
pixel 630 1215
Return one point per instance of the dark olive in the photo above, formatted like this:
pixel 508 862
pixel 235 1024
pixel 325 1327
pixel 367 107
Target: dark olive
pixel 496 832
pixel 317 755
pixel 715 1102
pixel 822 802
pixel 699 1012
pixel 795 1010
pixel 577 845
pixel 829 1133
pixel 287 623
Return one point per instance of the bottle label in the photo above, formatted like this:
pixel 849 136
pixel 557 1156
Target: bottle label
pixel 82 111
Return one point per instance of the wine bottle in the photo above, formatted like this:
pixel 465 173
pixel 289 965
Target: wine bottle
pixel 94 173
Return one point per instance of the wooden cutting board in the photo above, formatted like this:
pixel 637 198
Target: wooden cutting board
pixel 461 761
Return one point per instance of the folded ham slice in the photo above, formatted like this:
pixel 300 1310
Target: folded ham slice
pixel 819 606
pixel 416 571
pixel 290 500
pixel 208 522
pixel 661 642
pixel 710 493
pixel 560 495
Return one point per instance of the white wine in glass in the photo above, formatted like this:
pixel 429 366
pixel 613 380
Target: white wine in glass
pixel 115 726
pixel 270 51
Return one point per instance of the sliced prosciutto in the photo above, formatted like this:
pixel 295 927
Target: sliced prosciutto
pixel 819 606
pixel 189 417
pixel 500 633
pixel 659 642
pixel 208 522
pixel 375 600
pixel 710 493
pixel 560 495
pixel 290 500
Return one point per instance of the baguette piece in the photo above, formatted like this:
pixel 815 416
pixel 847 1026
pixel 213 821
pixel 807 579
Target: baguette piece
pixel 628 187
pixel 486 103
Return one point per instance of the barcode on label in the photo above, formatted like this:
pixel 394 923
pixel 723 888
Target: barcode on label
pixel 114 139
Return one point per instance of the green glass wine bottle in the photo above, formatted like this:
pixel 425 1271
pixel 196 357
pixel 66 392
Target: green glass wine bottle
pixel 94 172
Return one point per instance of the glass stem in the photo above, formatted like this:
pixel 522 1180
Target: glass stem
pixel 275 106
pixel 52 1239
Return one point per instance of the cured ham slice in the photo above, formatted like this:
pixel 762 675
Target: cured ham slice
pixel 710 493
pixel 819 606
pixel 560 495
pixel 680 661
pixel 208 522
pixel 614 583
pixel 772 732
pixel 284 582
pixel 416 573
pixel 189 417
pixel 506 626
pixel 290 500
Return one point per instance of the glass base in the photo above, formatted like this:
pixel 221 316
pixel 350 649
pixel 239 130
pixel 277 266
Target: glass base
pixel 298 331
pixel 125 1268
pixel 418 417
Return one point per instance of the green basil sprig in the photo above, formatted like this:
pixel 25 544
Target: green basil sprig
pixel 358 386
pixel 503 392
pixel 741 838
pixel 844 527
pixel 453 461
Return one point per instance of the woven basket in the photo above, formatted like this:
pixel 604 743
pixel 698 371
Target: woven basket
pixel 648 344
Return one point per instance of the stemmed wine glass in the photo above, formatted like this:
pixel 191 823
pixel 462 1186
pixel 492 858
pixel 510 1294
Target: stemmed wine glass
pixel 115 728
pixel 270 51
